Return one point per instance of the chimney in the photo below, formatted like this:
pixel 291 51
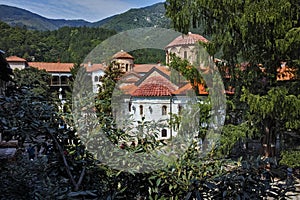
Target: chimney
pixel 89 64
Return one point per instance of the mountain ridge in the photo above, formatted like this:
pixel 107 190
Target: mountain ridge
pixel 149 16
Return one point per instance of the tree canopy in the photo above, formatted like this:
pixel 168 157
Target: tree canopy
pixel 261 32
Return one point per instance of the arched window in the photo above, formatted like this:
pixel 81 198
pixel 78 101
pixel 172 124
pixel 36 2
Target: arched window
pixel 141 110
pixel 164 133
pixel 126 67
pixel 164 110
pixel 96 79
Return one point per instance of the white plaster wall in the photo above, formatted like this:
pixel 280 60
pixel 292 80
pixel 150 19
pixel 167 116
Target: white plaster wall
pixel 98 73
pixel 17 65
pixel 179 51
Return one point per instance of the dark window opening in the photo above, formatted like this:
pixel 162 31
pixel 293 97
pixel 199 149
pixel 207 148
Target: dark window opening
pixel 164 133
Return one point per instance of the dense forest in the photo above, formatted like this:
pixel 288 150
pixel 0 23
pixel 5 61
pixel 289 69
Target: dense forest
pixel 65 44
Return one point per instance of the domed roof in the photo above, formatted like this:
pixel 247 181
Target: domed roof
pixel 189 39
pixel 122 54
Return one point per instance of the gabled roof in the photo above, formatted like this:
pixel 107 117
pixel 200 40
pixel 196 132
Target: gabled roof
pixel 154 83
pixel 122 54
pixel 144 68
pixel 153 70
pixel 15 59
pixel 189 39
pixel 128 89
pixel 130 77
pixel 52 67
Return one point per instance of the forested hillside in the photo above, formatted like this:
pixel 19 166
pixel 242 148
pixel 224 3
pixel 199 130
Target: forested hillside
pixel 150 16
pixel 66 44
pixel 20 17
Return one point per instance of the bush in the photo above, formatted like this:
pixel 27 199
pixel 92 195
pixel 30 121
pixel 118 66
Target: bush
pixel 290 158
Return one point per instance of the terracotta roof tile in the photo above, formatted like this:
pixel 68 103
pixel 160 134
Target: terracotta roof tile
pixel 15 59
pixel 52 67
pixel 122 54
pixel 161 81
pixel 188 39
pixel 152 89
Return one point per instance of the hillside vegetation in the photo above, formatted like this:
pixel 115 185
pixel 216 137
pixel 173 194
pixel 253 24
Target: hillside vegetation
pixel 151 16
pixel 67 44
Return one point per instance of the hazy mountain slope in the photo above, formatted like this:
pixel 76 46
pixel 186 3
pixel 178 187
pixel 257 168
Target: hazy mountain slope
pixel 134 18
pixel 20 17
pixel 150 16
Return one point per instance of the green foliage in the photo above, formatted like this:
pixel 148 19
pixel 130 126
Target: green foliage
pixel 106 89
pixel 35 79
pixel 232 134
pixel 253 31
pixel 290 158
pixel 66 44
pixel 277 106
pixel 151 16
pixel 183 68
pixel 144 56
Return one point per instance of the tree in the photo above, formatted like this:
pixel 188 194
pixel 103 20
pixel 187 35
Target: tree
pixel 6 71
pixel 36 80
pixel 261 32
pixel 271 114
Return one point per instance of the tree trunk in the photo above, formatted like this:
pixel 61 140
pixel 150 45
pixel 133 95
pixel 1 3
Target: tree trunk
pixel 269 140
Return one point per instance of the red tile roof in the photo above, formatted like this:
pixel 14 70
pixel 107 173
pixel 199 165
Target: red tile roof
pixel 158 79
pixel 188 39
pixel 152 89
pixel 15 59
pixel 122 54
pixel 52 67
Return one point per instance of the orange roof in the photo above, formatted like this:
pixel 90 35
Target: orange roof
pixel 184 89
pixel 93 67
pixel 161 81
pixel 144 68
pixel 122 54
pixel 152 89
pixel 128 89
pixel 188 39
pixel 52 67
pixel 15 59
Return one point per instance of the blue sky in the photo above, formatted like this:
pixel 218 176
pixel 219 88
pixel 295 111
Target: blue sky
pixel 89 10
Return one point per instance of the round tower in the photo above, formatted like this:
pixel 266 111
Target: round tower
pixel 123 61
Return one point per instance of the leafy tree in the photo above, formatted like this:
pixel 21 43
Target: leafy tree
pixel 36 80
pixel 271 114
pixel 263 32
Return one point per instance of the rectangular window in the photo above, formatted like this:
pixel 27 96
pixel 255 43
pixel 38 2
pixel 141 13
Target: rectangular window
pixel 141 110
